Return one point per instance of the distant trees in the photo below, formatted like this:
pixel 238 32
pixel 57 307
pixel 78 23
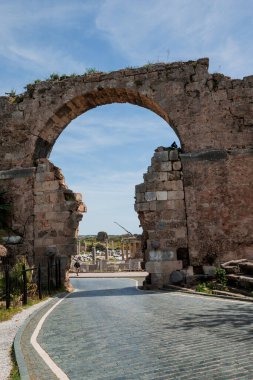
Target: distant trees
pixel 102 237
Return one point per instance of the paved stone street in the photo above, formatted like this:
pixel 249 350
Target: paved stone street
pixel 110 330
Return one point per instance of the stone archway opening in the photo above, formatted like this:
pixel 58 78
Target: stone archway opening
pixel 80 104
pixel 169 140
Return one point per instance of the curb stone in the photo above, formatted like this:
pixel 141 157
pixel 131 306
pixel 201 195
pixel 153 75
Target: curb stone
pixel 23 370
pixel 188 291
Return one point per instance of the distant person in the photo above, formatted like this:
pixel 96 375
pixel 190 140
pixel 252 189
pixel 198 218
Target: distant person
pixel 77 267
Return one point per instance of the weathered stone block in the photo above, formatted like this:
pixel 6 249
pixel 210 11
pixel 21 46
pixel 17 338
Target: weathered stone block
pixel 174 175
pixel 144 206
pixel 150 177
pixel 137 207
pixel 162 176
pixel 173 185
pixel 177 165
pixel 155 176
pixel 188 271
pixel 140 197
pixel 179 194
pixel 161 195
pixel 55 197
pixel 167 244
pixel 181 232
pixel 159 279
pixel 173 156
pixel 78 197
pixel 161 205
pixel 150 169
pixel 209 269
pixel 43 207
pixel 161 156
pixel 44 176
pixel 159 255
pixel 173 215
pixel 82 208
pixel 166 166
pixel 141 188
pixel 46 186
pixel 150 196
pixel 163 266
pixel 152 206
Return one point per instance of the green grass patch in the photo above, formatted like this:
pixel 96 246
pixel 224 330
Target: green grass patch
pixel 14 375
pixel 6 314
pixel 203 288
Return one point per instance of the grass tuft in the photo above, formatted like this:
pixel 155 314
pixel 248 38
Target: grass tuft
pixel 14 375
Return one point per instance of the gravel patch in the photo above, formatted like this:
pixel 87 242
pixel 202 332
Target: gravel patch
pixel 8 330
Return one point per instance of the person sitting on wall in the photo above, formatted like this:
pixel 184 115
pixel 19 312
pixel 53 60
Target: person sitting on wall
pixel 77 267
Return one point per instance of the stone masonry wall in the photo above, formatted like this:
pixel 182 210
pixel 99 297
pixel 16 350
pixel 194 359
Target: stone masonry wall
pixel 18 184
pixel 219 205
pixel 57 212
pixel 45 214
pixel 213 117
pixel 161 209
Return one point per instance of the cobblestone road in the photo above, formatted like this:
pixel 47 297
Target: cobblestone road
pixel 109 330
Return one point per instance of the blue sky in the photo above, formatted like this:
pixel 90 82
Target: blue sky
pixel 104 152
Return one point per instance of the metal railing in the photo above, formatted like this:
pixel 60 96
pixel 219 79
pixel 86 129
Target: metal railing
pixel 26 285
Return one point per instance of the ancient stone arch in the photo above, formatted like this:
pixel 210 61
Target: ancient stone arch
pixel 211 114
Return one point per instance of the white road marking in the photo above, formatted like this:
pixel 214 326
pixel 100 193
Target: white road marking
pixel 47 359
pixel 43 354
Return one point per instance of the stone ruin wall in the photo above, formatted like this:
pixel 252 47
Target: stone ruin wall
pixel 45 214
pixel 160 205
pixel 211 114
pixel 194 211
pixel 219 205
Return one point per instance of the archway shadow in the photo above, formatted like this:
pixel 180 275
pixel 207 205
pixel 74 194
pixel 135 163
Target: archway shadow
pixel 122 292
pixel 233 320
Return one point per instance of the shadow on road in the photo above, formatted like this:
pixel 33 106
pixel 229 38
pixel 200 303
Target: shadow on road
pixel 128 291
pixel 235 320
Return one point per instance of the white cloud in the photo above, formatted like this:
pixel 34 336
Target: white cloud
pixel 187 29
pixel 90 133
pixel 46 59
pixel 22 46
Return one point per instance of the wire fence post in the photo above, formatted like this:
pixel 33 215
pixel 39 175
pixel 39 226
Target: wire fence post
pixel 59 272
pixel 24 285
pixel 39 282
pixel 7 288
pixel 48 277
pixel 56 273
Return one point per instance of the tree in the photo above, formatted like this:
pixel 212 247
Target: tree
pixel 102 236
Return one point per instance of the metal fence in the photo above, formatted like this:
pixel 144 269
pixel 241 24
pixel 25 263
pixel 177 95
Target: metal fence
pixel 26 282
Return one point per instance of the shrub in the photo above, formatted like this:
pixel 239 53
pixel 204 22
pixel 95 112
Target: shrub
pixel 203 288
pixel 221 277
pixel 91 70
pixel 12 93
pixel 16 282
pixel 54 76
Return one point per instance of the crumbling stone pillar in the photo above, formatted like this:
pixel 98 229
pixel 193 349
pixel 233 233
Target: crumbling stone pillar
pixel 57 212
pixel 161 209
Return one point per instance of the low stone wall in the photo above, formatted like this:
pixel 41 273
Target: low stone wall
pixel 109 266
